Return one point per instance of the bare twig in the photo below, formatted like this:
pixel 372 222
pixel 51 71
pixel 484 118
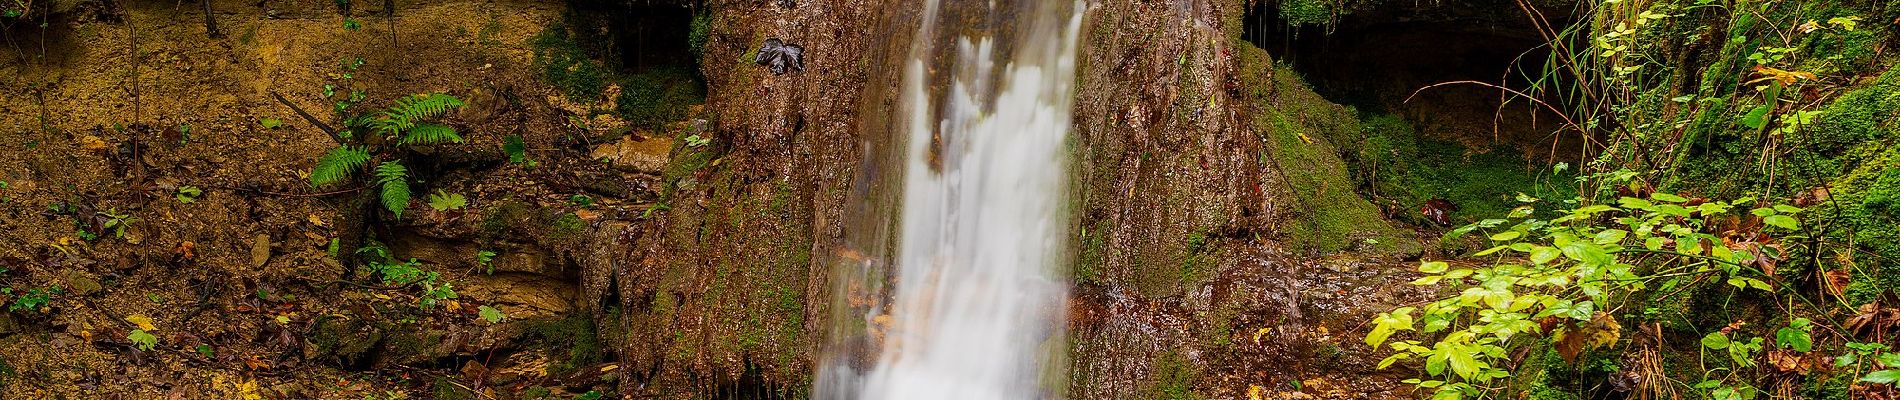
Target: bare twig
pixel 306 116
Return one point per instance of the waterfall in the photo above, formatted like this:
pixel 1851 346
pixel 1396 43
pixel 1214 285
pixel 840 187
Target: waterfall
pixel 979 296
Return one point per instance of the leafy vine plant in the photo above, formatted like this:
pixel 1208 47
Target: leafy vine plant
pixel 392 133
pixel 1565 276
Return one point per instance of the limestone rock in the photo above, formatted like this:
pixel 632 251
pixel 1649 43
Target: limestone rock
pixel 648 155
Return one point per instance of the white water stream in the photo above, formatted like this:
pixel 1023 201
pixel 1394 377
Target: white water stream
pixel 981 287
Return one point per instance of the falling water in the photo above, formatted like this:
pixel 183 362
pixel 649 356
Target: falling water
pixel 978 301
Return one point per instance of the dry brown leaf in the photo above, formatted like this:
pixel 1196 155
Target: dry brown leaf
pixel 1601 331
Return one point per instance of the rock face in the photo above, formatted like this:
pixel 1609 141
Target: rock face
pixel 1199 165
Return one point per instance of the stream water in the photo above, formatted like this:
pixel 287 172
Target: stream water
pixel 978 298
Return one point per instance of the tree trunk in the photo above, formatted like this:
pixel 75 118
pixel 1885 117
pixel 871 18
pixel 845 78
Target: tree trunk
pixel 211 21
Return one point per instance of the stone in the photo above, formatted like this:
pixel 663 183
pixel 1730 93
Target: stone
pixel 81 282
pixel 648 155
pixel 260 250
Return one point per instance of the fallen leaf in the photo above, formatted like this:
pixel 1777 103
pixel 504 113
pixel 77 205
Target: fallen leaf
pixel 184 250
pixel 1259 333
pixel 143 322
pixel 92 143
pixel 1255 392
pixel 1837 281
pixel 1601 331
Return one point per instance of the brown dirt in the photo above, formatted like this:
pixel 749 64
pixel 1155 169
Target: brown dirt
pixel 242 271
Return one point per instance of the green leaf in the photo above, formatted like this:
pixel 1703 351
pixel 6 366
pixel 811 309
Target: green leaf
pixel 1660 196
pixel 426 134
pixel 1756 118
pixel 1433 267
pixel 1388 323
pixel 442 201
pixel 1544 254
pixel 143 340
pixel 1715 341
pixel 1507 235
pixel 491 314
pixel 1795 337
pixel 270 123
pixel 1394 358
pixel 188 194
pixel 1781 221
pixel 1884 376
pixel 338 165
pixel 394 179
pixel 516 150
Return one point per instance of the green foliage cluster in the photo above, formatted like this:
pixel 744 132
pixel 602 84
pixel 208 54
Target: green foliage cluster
pixel 1589 259
pixel 647 99
pixel 562 62
pixel 1394 166
pixel 432 289
pixel 399 128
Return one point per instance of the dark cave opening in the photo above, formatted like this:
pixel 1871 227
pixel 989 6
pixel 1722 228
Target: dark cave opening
pixel 644 35
pixel 1432 64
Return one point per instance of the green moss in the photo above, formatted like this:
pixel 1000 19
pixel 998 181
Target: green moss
pixel 1295 125
pixel 503 218
pixel 343 340
pixel 696 40
pixel 561 61
pixel 567 226
pixel 573 342
pixel 1395 167
pixel 1172 378
pixel 654 98
pixel 446 389
pixel 1089 264
pixel 1306 12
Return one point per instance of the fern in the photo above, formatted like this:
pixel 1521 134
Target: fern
pixel 407 111
pixel 338 165
pixel 394 179
pixel 431 134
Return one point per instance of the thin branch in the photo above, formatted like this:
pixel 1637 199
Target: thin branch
pixel 306 116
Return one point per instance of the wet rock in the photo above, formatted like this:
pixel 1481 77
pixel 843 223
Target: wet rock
pixel 631 154
pixel 509 257
pixel 521 296
pixel 781 57
pixel 340 339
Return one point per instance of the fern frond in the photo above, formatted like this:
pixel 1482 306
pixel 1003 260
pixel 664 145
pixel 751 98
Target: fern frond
pixel 338 165
pixel 409 110
pixel 431 134
pixel 394 179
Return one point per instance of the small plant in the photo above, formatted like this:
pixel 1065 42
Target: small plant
pixel 206 351
pixel 270 123
pixel 188 194
pixel 486 259
pixel 117 222
pixel 517 151
pixel 491 314
pixel 1858 353
pixel 35 299
pixel 401 126
pixel 142 340
pixel 410 273
pixel 581 200
pixel 442 201
pixel 695 141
